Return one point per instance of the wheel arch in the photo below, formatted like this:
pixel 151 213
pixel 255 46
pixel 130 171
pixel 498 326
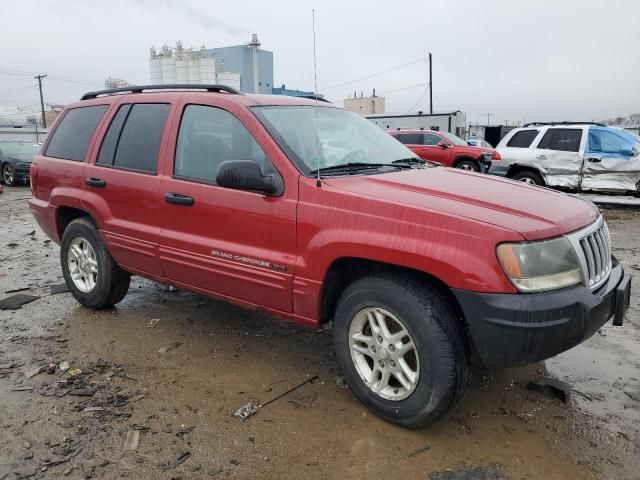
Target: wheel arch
pixel 465 157
pixel 517 168
pixel 345 270
pixel 65 215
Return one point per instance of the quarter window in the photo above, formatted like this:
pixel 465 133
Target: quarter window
pixel 561 139
pixel 209 136
pixel 71 138
pixel 522 139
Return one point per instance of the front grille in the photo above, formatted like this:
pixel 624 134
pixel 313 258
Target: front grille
pixel 596 248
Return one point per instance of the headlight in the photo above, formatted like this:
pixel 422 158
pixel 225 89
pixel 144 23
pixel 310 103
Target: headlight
pixel 540 266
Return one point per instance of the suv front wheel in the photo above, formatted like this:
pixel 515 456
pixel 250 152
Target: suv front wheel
pixel 400 348
pixel 91 274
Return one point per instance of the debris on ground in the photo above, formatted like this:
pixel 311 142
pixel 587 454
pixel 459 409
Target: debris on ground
pixel 132 440
pixel 341 382
pixel 552 387
pixel 35 371
pixel 153 322
pixel 305 399
pixel 15 302
pixel 490 472
pixel 418 451
pixel 180 459
pixel 184 430
pixel 15 290
pixel 246 410
pixel 167 348
pixel 64 366
pixel 74 372
pixel 58 288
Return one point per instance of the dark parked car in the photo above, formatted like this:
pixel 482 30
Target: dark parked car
pixel 15 160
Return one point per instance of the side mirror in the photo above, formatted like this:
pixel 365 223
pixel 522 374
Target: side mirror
pixel 628 151
pixel 443 144
pixel 246 175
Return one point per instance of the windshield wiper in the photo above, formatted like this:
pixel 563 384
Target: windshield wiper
pixel 356 166
pixel 415 161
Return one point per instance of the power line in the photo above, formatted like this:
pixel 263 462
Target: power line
pixel 403 88
pixel 60 78
pixel 375 74
pixel 420 99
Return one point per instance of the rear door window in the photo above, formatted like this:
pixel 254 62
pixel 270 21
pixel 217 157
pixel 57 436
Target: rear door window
pixel 561 139
pixel 431 139
pixel 132 141
pixel 522 139
pixel 72 136
pixel 410 138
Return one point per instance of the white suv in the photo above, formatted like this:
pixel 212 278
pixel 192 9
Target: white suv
pixel 576 156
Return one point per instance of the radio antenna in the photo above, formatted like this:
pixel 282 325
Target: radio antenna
pixel 315 92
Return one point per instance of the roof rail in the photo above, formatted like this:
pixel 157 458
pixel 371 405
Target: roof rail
pixel 172 86
pixel 536 124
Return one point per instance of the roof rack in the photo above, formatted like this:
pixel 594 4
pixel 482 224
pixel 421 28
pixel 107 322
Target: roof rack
pixel 172 86
pixel 537 124
pixel 313 97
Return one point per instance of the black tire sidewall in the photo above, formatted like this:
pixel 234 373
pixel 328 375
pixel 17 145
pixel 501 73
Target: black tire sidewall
pixel 537 179
pixel 434 352
pixel 5 166
pixel 101 292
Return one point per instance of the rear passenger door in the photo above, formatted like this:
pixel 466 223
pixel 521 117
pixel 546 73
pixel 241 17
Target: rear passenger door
pixel 559 156
pixel 234 243
pixel 122 184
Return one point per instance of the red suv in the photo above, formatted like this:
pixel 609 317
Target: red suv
pixel 313 214
pixel 446 149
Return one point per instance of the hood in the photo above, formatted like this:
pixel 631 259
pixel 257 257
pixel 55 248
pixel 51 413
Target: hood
pixel 533 212
pixel 19 157
pixel 472 150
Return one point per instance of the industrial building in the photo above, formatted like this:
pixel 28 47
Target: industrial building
pixel 453 122
pixel 247 67
pixel 111 82
pixel 365 105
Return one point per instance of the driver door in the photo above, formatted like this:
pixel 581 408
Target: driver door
pixel 232 243
pixel 611 162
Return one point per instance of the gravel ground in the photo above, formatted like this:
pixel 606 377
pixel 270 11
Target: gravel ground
pixel 145 401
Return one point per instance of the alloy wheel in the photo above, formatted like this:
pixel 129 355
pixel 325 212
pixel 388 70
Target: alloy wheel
pixel 384 353
pixel 83 264
pixel 7 174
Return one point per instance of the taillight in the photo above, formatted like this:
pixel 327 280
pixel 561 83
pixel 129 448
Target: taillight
pixel 33 178
pixel 495 156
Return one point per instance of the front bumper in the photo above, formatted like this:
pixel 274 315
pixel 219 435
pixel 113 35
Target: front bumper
pixel 22 175
pixel 517 329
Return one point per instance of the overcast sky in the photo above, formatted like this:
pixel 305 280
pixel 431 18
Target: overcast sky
pixel 536 60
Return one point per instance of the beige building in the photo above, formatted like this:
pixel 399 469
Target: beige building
pixel 364 105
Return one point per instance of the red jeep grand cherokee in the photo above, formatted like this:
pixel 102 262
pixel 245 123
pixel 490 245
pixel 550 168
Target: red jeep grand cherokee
pixel 314 214
pixel 446 149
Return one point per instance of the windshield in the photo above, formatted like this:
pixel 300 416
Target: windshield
pixel 453 139
pixel 321 137
pixel 17 148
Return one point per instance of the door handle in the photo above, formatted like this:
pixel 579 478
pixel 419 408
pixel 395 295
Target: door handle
pixel 96 182
pixel 541 157
pixel 594 160
pixel 178 199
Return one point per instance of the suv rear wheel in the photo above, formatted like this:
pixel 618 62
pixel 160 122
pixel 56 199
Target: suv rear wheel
pixel 400 349
pixel 91 274
pixel 530 177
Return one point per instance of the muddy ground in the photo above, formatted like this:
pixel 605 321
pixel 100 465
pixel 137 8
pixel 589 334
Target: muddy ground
pixel 173 388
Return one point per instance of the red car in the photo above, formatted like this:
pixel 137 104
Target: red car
pixel 314 214
pixel 446 149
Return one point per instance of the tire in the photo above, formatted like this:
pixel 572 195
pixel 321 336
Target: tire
pixel 529 177
pixel 9 174
pixel 442 364
pixel 105 286
pixel 469 165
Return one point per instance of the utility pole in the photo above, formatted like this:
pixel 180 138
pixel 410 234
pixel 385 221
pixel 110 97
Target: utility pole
pixel 489 118
pixel 39 78
pixel 430 85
